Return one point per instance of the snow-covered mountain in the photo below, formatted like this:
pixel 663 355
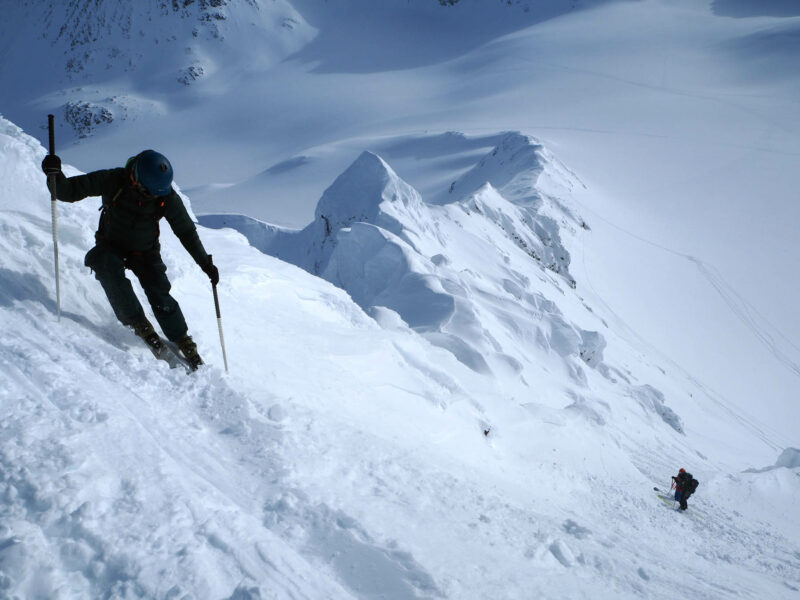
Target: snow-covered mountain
pixel 346 455
pixel 101 62
pixel 457 272
pixel 491 272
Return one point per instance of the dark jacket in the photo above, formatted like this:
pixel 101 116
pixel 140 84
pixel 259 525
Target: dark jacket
pixel 682 480
pixel 129 221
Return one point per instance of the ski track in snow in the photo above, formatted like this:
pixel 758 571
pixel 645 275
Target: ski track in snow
pixel 765 333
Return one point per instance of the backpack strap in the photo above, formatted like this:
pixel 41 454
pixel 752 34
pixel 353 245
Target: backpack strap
pixel 114 199
pixel 162 208
pixel 104 208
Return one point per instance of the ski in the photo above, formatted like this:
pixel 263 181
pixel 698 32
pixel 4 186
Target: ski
pixel 179 358
pixel 667 499
pixel 167 351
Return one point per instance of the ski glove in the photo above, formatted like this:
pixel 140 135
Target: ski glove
pixel 213 273
pixel 51 165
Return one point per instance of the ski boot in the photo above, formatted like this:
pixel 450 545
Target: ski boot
pixel 144 329
pixel 189 350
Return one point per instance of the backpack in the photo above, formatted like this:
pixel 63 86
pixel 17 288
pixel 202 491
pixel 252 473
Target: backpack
pixel 691 486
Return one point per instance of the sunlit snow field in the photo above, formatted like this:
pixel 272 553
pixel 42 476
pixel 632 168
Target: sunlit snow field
pixel 490 274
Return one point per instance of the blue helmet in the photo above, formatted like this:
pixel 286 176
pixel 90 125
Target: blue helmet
pixel 153 171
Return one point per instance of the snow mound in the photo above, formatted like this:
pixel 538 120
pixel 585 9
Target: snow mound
pixel 789 459
pixel 369 191
pixel 377 268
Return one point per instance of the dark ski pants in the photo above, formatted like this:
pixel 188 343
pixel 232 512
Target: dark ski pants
pixel 109 268
pixel 681 497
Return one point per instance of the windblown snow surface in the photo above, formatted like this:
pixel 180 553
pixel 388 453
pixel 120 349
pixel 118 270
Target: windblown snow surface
pixel 499 270
pixel 463 424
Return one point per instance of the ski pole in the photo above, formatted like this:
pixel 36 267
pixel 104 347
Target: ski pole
pixel 219 321
pixel 54 213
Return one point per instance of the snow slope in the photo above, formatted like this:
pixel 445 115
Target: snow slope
pixel 679 116
pixel 362 451
pixel 345 456
pixel 103 63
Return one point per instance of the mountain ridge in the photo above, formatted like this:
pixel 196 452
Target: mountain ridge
pixel 280 477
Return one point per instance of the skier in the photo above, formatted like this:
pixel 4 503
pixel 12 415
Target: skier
pixel 134 200
pixel 684 487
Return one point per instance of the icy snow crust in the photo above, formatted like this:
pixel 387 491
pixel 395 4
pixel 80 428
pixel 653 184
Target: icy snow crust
pixel 345 456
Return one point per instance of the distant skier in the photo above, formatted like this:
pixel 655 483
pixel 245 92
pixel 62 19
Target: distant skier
pixel 134 200
pixel 685 485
